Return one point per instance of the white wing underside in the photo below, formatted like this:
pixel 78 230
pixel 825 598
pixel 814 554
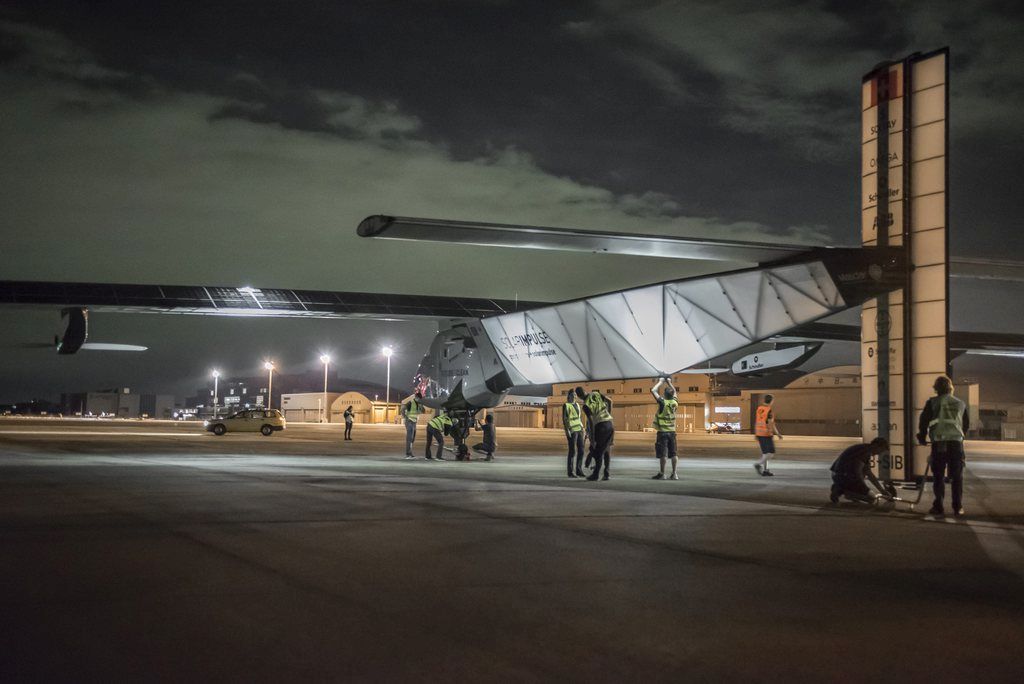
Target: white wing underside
pixel 660 329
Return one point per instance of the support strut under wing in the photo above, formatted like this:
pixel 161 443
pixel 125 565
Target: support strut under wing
pixel 664 328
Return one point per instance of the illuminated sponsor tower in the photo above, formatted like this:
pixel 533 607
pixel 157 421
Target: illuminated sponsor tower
pixel 904 174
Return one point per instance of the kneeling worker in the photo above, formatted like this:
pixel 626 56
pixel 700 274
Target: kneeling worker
pixel 436 429
pixel 852 467
pixel 665 424
pixel 489 445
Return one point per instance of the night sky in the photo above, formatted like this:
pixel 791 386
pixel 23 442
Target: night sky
pixel 239 144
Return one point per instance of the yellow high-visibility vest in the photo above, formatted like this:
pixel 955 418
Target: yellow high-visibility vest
pixel 573 421
pixel 598 407
pixel 413 409
pixel 947 424
pixel 665 419
pixel 439 421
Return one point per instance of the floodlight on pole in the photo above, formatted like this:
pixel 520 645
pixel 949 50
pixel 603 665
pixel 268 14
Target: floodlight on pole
pixel 326 359
pixel 216 377
pixel 387 351
pixel 269 365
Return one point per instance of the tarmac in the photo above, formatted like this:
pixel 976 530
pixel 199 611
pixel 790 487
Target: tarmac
pixel 134 550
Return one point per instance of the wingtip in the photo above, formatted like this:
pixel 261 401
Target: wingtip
pixel 372 226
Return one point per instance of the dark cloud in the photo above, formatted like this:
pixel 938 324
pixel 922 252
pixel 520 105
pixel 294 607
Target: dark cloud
pixel 240 143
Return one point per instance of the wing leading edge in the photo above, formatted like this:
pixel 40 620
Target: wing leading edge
pixel 248 301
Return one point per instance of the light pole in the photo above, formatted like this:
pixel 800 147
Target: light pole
pixel 327 362
pixel 387 351
pixel 216 376
pixel 269 365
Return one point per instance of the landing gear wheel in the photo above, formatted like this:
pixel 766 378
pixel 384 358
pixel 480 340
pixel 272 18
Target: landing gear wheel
pixel 219 430
pixel 266 430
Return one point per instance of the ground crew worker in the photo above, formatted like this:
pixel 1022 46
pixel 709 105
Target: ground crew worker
pixel 665 424
pixel 572 422
pixel 436 429
pixel 944 421
pixel 852 467
pixel 598 409
pixel 410 412
pixel 490 444
pixel 765 431
pixel 350 418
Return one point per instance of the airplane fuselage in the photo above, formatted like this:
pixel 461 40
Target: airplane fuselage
pixel 461 370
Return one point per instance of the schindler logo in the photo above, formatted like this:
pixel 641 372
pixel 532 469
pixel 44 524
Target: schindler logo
pixel 893 192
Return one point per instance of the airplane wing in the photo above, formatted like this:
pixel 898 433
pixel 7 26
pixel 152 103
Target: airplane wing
pixel 661 329
pixel 572 240
pixel 249 301
pixel 622 243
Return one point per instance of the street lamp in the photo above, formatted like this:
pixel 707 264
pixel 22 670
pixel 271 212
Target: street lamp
pixel 216 376
pixel 327 362
pixel 387 351
pixel 269 365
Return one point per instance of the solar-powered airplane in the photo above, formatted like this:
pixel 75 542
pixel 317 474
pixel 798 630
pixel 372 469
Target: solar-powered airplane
pixel 487 348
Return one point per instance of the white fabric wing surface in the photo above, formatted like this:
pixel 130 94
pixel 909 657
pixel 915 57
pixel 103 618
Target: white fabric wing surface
pixel 660 329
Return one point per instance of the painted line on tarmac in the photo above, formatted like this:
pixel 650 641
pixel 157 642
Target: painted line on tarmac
pixel 1004 544
pixel 97 433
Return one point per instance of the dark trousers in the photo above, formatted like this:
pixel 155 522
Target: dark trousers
pixel 434 434
pixel 486 448
pixel 948 457
pixel 348 430
pixel 850 487
pixel 601 443
pixel 575 440
pixel 665 445
pixel 410 435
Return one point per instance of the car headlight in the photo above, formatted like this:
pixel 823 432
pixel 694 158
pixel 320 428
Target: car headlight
pixel 206 423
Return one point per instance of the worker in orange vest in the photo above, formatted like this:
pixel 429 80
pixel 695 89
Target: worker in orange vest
pixel 765 430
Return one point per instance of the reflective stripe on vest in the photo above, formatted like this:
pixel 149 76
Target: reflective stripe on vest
pixel 947 424
pixel 665 420
pixel 762 427
pixel 412 411
pixel 437 422
pixel 574 422
pixel 598 408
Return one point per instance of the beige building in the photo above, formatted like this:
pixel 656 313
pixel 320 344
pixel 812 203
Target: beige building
pixel 826 402
pixel 308 407
pixel 522 412
pixel 633 407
